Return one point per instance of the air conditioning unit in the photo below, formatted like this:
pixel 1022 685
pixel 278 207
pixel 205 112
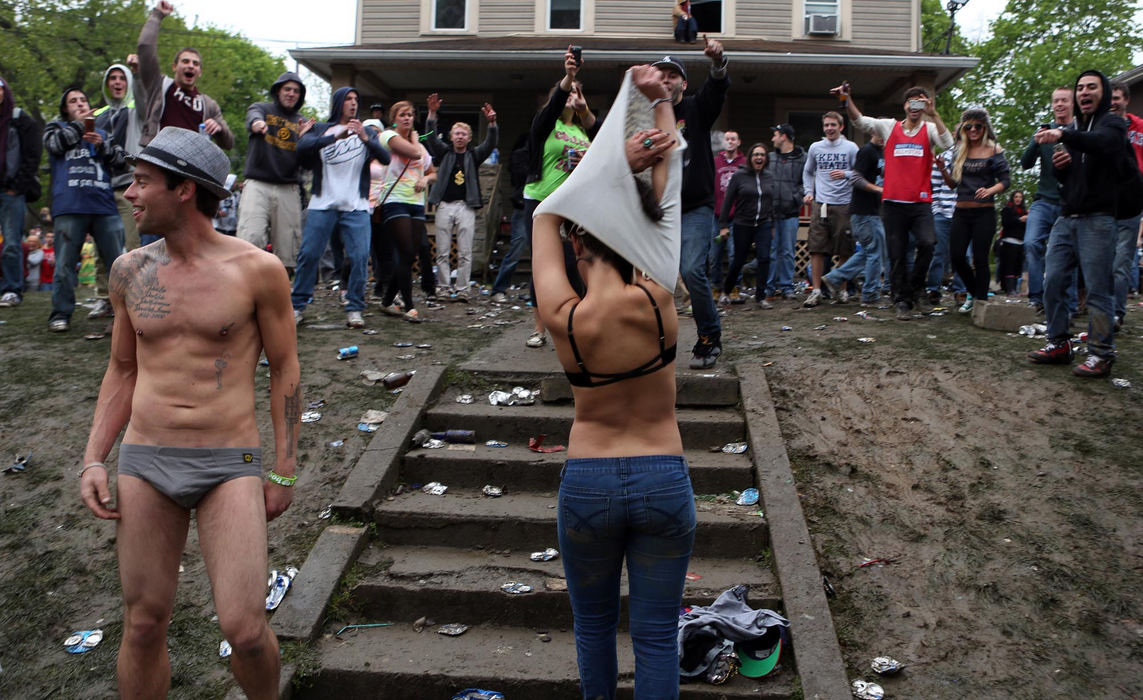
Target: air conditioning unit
pixel 822 25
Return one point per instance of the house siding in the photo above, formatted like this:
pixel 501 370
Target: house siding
pixel 883 24
pixel 764 19
pixel 383 20
pixel 500 17
pixel 634 18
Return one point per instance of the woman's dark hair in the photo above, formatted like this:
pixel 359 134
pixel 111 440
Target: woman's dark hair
pixel 204 200
pixel 750 154
pixel 600 251
pixel 1012 197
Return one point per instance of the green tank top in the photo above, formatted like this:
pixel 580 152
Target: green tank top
pixel 556 166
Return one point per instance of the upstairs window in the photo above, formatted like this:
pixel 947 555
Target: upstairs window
pixel 708 14
pixel 565 14
pixel 822 18
pixel 450 14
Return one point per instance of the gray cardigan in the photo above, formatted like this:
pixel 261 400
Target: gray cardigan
pixel 445 158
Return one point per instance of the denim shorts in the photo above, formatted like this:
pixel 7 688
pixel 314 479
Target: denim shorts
pixel 398 210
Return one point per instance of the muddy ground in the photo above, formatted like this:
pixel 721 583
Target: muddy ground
pixel 1006 496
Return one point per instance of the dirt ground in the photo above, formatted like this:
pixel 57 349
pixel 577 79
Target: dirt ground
pixel 1006 496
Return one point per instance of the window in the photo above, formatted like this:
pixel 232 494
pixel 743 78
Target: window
pixel 822 17
pixel 564 14
pixel 450 14
pixel 708 14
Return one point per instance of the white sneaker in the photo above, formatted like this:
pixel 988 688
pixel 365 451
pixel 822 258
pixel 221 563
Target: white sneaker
pixel 298 317
pixel 966 307
pixel 353 319
pixel 9 299
pixel 58 325
pixel 813 299
pixel 499 298
pixel 102 310
pixel 838 293
pixel 536 340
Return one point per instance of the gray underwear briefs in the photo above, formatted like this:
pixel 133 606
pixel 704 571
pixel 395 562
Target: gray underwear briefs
pixel 186 474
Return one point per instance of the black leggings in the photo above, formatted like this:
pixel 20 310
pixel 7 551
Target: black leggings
pixel 406 234
pixel 384 257
pixel 976 225
pixel 1009 266
pixel 744 237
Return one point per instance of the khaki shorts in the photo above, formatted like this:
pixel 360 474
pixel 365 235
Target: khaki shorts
pixel 831 235
pixel 271 213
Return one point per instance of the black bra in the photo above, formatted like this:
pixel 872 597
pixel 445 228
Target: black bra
pixel 593 379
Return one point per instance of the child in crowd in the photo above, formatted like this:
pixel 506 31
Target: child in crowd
pixel 87 262
pixel 33 257
pixel 48 263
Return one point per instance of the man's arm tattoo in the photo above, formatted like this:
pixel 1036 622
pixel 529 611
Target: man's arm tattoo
pixel 293 418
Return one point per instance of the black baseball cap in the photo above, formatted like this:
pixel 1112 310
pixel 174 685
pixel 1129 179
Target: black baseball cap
pixel 670 63
pixel 785 129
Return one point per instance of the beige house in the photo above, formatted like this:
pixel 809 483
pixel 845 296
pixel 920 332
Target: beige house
pixel 784 55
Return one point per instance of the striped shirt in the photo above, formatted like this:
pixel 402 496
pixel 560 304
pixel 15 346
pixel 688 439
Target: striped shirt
pixel 944 197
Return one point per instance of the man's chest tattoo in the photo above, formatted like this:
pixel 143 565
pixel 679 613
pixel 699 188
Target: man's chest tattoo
pixel 139 284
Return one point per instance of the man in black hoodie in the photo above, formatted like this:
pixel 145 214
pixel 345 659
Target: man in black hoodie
pixel 270 203
pixel 20 149
pixel 696 115
pixel 1086 160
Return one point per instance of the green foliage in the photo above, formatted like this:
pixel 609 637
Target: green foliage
pixel 934 31
pixel 48 45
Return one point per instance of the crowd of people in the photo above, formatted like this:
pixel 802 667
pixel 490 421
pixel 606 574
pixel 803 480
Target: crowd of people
pixel 144 182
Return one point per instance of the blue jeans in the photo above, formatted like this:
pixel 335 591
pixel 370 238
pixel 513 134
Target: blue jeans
pixel 354 229
pixel 942 225
pixel 1041 215
pixel 515 250
pixel 869 232
pixel 641 509
pixel 782 256
pixel 714 259
pixel 697 226
pixel 747 236
pixel 71 232
pixel 12 259
pixel 1089 243
pixel 1127 231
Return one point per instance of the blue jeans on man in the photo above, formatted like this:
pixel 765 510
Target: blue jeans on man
pixel 515 250
pixel 642 510
pixel 870 233
pixel 714 260
pixel 781 279
pixel 942 225
pixel 1042 213
pixel 12 258
pixel 1127 233
pixel 71 232
pixel 320 223
pixel 1087 242
pixel 697 225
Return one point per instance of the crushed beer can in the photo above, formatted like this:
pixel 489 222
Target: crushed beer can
pixel 840 319
pixel 279 583
pixel 478 694
pixel 864 690
pixel 224 649
pixel 516 588
pixel 495 443
pixel 434 488
pixel 21 464
pixel 546 555
pixel 337 443
pixel 522 397
pixel 1121 383
pixel 865 340
pixel 434 444
pixel 452 629
pixel 787 328
pixel 311 416
pixel 749 497
pixel 402 344
pixel 734 448
pixel 465 399
pixel 406 357
pixel 368 427
pixel 424 346
pixel 820 328
pixel 369 331
pixel 1034 329
pixel 886 666
pixel 499 398
pixel 326 513
pixel 492 491
pixel 347 352
pixel 863 314
pixel 83 641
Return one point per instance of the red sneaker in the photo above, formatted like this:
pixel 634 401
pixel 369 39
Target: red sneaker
pixel 1053 354
pixel 1094 366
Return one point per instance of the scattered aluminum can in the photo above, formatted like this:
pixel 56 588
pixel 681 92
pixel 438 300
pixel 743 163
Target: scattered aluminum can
pixel 452 629
pixel 864 690
pixel 402 344
pixel 516 588
pixel 434 488
pixel 478 694
pixel 465 399
pixel 734 448
pixel 546 555
pixel 865 340
pixel 279 583
pixel 749 497
pixel 934 312
pixel 522 397
pixel 863 314
pixel 434 444
pixel 224 649
pixel 314 405
pixel 820 328
pixel 337 443
pixel 347 353
pixel 492 491
pixel 496 443
pixel 83 641
pixel 498 398
pixel 692 576
pixel 326 513
pixel 1033 330
pixel 368 427
pixel 1121 383
pixel 840 319
pixel 787 328
pixel 406 357
pixel 369 331
pixel 424 346
pixel 311 416
pixel 886 666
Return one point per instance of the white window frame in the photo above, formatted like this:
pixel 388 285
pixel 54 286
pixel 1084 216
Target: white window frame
pixel 844 16
pixel 543 19
pixel 429 18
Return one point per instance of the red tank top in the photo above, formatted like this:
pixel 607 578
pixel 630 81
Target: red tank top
pixel 908 166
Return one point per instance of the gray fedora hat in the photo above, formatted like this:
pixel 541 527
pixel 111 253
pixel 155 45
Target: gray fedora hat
pixel 190 154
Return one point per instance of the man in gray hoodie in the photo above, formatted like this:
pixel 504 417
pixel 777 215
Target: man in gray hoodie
pixel 829 165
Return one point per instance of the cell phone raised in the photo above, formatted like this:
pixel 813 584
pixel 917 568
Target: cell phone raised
pixel 577 54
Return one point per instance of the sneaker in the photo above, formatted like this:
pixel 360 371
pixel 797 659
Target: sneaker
pixel 58 325
pixel 904 311
pixel 706 352
pixel 412 316
pixel 343 297
pixel 460 296
pixel 736 298
pixel 838 293
pixel 1037 307
pixel 813 299
pixel 789 295
pixel 966 307
pixel 499 298
pixel 10 299
pixel 353 319
pixel 1094 366
pixel 1053 354
pixel 1118 323
pixel 102 309
pixel 960 297
pixel 298 317
pixel 870 303
pixel 392 310
pixel 536 340
pixel 724 300
pixel 432 297
pixel 763 304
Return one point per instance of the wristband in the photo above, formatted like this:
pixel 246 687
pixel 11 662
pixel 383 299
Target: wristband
pixel 282 480
pixel 89 466
pixel 656 102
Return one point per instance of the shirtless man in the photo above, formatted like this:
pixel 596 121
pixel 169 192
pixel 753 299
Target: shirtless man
pixel 193 311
